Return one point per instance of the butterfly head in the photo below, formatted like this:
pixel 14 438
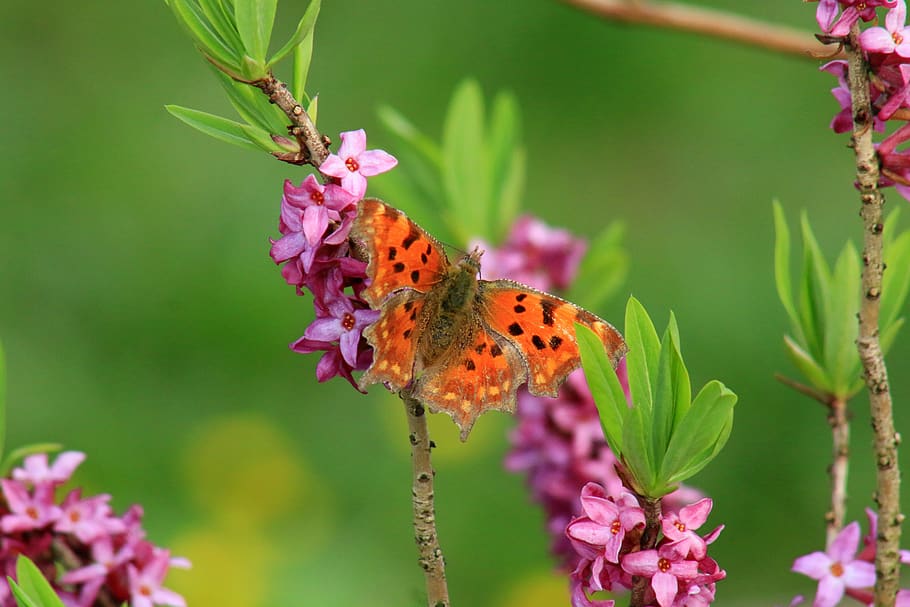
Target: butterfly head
pixel 472 260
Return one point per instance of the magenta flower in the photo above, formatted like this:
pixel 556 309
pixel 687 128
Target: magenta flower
pixel 344 324
pixel 311 206
pixel 837 569
pixel 826 14
pixel 667 569
pixel 28 512
pixel 146 588
pixel 893 38
pixel 606 521
pixel 354 163
pixel 35 470
pixel 679 529
pixel 88 519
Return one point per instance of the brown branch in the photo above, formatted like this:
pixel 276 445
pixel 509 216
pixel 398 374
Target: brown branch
pixel 648 542
pixel 690 18
pixel 431 558
pixel 817 395
pixel 313 145
pixel 840 438
pixel 887 494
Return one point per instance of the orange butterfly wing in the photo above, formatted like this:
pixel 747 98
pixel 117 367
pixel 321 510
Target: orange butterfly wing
pixel 542 327
pixel 402 254
pixel 394 338
pixel 482 377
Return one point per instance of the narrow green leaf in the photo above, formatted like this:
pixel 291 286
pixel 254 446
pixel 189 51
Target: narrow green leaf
pixel 16 455
pixel 682 386
pixel 223 23
pixel 402 128
pixel 22 599
pixel 782 263
pixel 840 328
pixel 313 109
pixel 811 370
pixel 34 584
pixel 303 55
pixel 695 440
pixel 896 280
pixel 507 160
pixel 254 24
pixel 644 353
pixel 252 105
pixel 304 30
pixel 814 289
pixel 603 269
pixel 888 335
pixel 261 138
pixel 663 411
pixel 2 400
pixel 636 454
pixel 605 387
pixel 465 167
pixel 215 126
pixel 191 17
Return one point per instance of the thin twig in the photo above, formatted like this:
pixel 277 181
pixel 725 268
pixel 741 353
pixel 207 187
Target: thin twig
pixel 313 144
pixel 887 494
pixel 817 395
pixel 687 17
pixel 431 559
pixel 648 542
pixel 840 437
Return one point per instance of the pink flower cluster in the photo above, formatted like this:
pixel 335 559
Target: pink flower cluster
pixel 314 224
pixel 607 538
pixel 887 51
pixel 841 571
pixel 89 555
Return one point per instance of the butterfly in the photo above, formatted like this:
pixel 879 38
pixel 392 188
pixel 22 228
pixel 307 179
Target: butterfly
pixel 461 345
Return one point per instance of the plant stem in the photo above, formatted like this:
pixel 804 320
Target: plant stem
pixel 431 559
pixel 648 542
pixel 312 142
pixel 887 494
pixel 712 22
pixel 840 437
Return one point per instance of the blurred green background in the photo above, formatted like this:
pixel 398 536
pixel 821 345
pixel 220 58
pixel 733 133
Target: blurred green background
pixel 145 324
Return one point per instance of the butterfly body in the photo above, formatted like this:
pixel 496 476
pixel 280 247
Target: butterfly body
pixel 460 344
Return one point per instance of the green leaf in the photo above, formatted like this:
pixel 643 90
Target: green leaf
pixel 261 138
pixel 304 31
pixel 398 125
pixel 252 105
pixel 896 280
pixel 605 387
pixel 34 584
pixel 782 263
pixel 223 24
pixel 2 400
pixel 810 369
pixel 190 16
pixel 813 292
pixel 888 335
pixel 303 55
pixel 840 329
pixel 507 161
pixel 603 268
pixel 643 356
pixel 465 167
pixel 216 126
pixel 22 599
pixel 636 454
pixel 700 434
pixel 16 455
pixel 254 24
pixel 663 413
pixel 313 109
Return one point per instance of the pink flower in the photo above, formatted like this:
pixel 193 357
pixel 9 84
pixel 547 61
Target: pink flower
pixel 354 163
pixel 893 38
pixel 146 583
pixel 28 511
pixel 310 207
pixel 680 528
pixel 667 569
pixel 88 519
pixel 836 569
pixel 343 324
pixel 606 521
pixel 36 471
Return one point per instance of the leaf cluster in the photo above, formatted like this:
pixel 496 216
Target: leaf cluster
pixel 234 36
pixel 31 588
pixel 823 310
pixel 660 435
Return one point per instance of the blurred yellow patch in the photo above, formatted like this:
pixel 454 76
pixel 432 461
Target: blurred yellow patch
pixel 243 470
pixel 490 431
pixel 538 589
pixel 229 569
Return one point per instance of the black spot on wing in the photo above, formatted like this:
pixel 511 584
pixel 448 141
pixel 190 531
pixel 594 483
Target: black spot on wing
pixel 547 306
pixel 469 365
pixel 429 249
pixel 406 334
pixel 424 258
pixel 519 309
pixel 392 253
pixel 415 276
pixel 521 296
pixel 408 305
pixel 495 350
pixel 555 342
pixel 480 348
pixel 515 329
pixel 398 267
pixel 538 342
pixel 412 237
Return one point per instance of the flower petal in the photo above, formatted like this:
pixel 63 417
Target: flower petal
pixel 665 586
pixel 830 592
pixel 816 565
pixel 374 162
pixel 844 546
